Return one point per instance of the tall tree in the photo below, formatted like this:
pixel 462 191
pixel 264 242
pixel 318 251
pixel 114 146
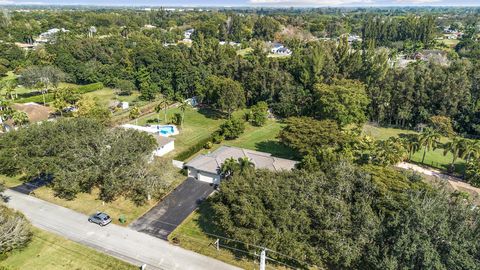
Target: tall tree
pixel 429 140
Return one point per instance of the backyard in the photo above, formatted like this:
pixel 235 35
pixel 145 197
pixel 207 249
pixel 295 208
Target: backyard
pixel 434 158
pixel 201 123
pixel 52 252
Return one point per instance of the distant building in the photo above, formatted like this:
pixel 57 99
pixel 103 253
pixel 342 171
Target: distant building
pixel 279 49
pixel 149 26
pixel 48 36
pixel 231 43
pixel 188 33
pixel 34 111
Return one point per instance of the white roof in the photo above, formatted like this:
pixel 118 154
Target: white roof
pixel 213 161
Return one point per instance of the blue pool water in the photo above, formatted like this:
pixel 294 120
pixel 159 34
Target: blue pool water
pixel 165 130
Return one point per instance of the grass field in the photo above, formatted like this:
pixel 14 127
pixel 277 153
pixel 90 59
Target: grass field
pixel 47 251
pixel 198 125
pixel 107 95
pixel 434 158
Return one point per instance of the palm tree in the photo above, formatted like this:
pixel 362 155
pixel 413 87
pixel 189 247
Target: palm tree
pixel 428 139
pixel 455 147
pixel 244 164
pixel 183 107
pixel 412 144
pixel 229 166
pixel 158 109
pixel 10 87
pixel 163 103
pixel 471 150
pixel 134 114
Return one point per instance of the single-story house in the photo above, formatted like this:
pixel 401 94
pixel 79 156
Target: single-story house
pixel 34 111
pixel 165 145
pixel 207 167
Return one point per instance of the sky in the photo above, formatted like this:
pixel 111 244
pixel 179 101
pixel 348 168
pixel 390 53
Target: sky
pixel 282 3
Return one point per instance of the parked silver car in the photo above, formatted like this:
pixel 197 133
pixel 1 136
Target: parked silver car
pixel 100 218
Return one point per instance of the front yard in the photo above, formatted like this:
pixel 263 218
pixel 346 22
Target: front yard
pixel 88 203
pixel 48 251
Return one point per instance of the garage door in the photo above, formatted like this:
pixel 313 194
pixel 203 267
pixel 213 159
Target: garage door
pixel 206 177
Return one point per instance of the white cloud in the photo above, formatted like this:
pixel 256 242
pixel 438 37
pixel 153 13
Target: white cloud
pixel 311 2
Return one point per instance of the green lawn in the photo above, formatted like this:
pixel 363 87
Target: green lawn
pixel 47 251
pixel 434 159
pixel 199 124
pixel 107 95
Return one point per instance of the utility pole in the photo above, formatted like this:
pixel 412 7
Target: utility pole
pixel 262 259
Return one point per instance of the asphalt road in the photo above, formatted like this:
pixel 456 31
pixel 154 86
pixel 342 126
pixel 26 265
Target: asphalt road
pixel 162 219
pixel 120 242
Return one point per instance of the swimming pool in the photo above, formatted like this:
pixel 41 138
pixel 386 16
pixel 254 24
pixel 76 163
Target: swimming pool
pixel 165 130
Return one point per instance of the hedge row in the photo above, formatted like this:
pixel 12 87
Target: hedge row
pixel 49 96
pixel 89 88
pixel 182 156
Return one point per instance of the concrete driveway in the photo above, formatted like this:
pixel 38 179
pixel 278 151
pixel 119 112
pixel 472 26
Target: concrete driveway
pixel 162 219
pixel 120 242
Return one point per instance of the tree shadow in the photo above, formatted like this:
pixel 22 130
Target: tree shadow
pixel 277 149
pixel 211 113
pixel 206 224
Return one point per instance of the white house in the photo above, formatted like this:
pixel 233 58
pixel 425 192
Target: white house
pixel 46 37
pixel 188 33
pixel 206 168
pixel 165 145
pixel 279 49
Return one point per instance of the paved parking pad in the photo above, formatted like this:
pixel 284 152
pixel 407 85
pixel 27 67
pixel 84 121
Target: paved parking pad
pixel 162 219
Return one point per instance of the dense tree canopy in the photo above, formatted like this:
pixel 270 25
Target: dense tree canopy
pixel 80 154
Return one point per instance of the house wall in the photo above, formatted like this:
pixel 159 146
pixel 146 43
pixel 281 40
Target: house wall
pixel 165 149
pixel 204 176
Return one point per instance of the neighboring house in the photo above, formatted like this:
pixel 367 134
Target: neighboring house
pixel 165 145
pixel 279 49
pixel 34 111
pixel 231 43
pixel 48 36
pixel 207 167
pixel 188 33
pixel 437 56
pixel 124 105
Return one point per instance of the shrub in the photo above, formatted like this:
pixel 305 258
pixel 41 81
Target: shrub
pixel 217 137
pixel 177 119
pixel 15 230
pixel 192 149
pixel 208 145
pixel 258 115
pixel 126 87
pixel 89 88
pixel 232 128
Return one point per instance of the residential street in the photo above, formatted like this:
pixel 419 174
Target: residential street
pixel 123 243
